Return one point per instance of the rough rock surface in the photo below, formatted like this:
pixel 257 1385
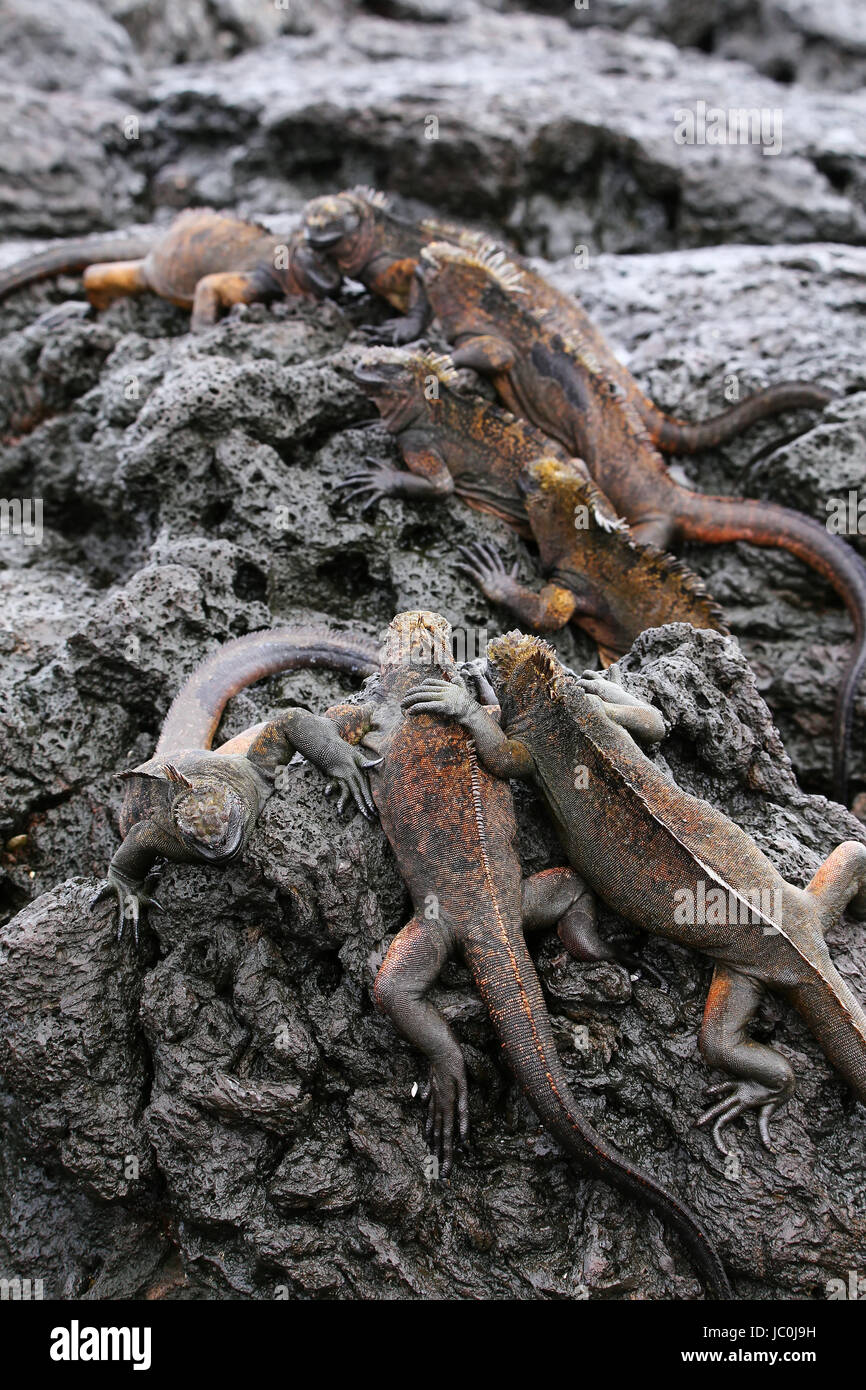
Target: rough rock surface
pixel 228 1115
pixel 563 135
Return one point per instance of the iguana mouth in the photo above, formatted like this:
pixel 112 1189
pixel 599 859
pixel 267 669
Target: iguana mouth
pixel 322 238
pixel 319 275
pixel 382 367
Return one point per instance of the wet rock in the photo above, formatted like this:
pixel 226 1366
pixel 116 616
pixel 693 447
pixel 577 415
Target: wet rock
pixel 67 47
pixel 64 166
pixel 187 492
pixel 502 133
pixel 275 1096
pixel 565 136
pixel 789 40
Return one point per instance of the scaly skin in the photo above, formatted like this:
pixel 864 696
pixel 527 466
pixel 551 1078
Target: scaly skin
pixel 484 305
pixel 600 577
pixel 372 243
pixel 362 235
pixel 649 850
pixel 453 830
pixel 206 261
pixel 194 806
pixel 450 445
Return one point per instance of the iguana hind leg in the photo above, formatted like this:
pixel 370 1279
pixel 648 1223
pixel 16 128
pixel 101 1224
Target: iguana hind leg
pixel 840 884
pixel 213 293
pixel 110 280
pixel 412 964
pixel 765 1079
pixel 547 611
pixel 558 897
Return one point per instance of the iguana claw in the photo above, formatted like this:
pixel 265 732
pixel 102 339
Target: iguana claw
pixel 126 896
pixel 632 962
pixel 737 1098
pixel 448 1097
pixel 351 780
pixel 394 332
pixel 372 483
pixel 484 565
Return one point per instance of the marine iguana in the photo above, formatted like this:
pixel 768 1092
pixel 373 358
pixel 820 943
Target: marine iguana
pixel 205 261
pixel 370 242
pixel 450 444
pixel 601 578
pixel 673 865
pixel 484 305
pixel 196 806
pixel 453 830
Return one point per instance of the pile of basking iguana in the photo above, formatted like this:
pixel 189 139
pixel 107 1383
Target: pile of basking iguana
pixel 574 463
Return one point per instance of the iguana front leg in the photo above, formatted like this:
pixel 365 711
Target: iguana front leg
pixel 132 872
pixel 766 1078
pixel 644 722
pixel 501 756
pixel 316 739
pixel 547 611
pixel 428 479
pixel 414 960
pixel 220 291
pixel 484 353
pixel 408 327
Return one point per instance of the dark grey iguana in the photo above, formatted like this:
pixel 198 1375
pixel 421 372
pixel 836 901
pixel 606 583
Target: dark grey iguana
pixel 191 805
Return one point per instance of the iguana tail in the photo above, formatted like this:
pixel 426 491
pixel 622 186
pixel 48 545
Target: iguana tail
pixel 677 437
pixel 506 978
pixel 77 254
pixel 704 518
pixel 197 708
pixel 837 1021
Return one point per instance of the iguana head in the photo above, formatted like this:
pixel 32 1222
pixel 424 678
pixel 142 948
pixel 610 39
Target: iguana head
pixel 400 380
pixel 472 289
pixel 211 819
pixel 565 508
pixel 344 225
pixel 417 644
pixel 527 674
pixel 314 273
pixel 207 813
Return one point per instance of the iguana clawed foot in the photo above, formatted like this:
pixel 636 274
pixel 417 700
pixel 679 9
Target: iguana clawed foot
pixel 737 1097
pixel 371 483
pixel 351 780
pixel 394 332
pixel 127 895
pixel 448 1097
pixel 437 696
pixel 484 566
